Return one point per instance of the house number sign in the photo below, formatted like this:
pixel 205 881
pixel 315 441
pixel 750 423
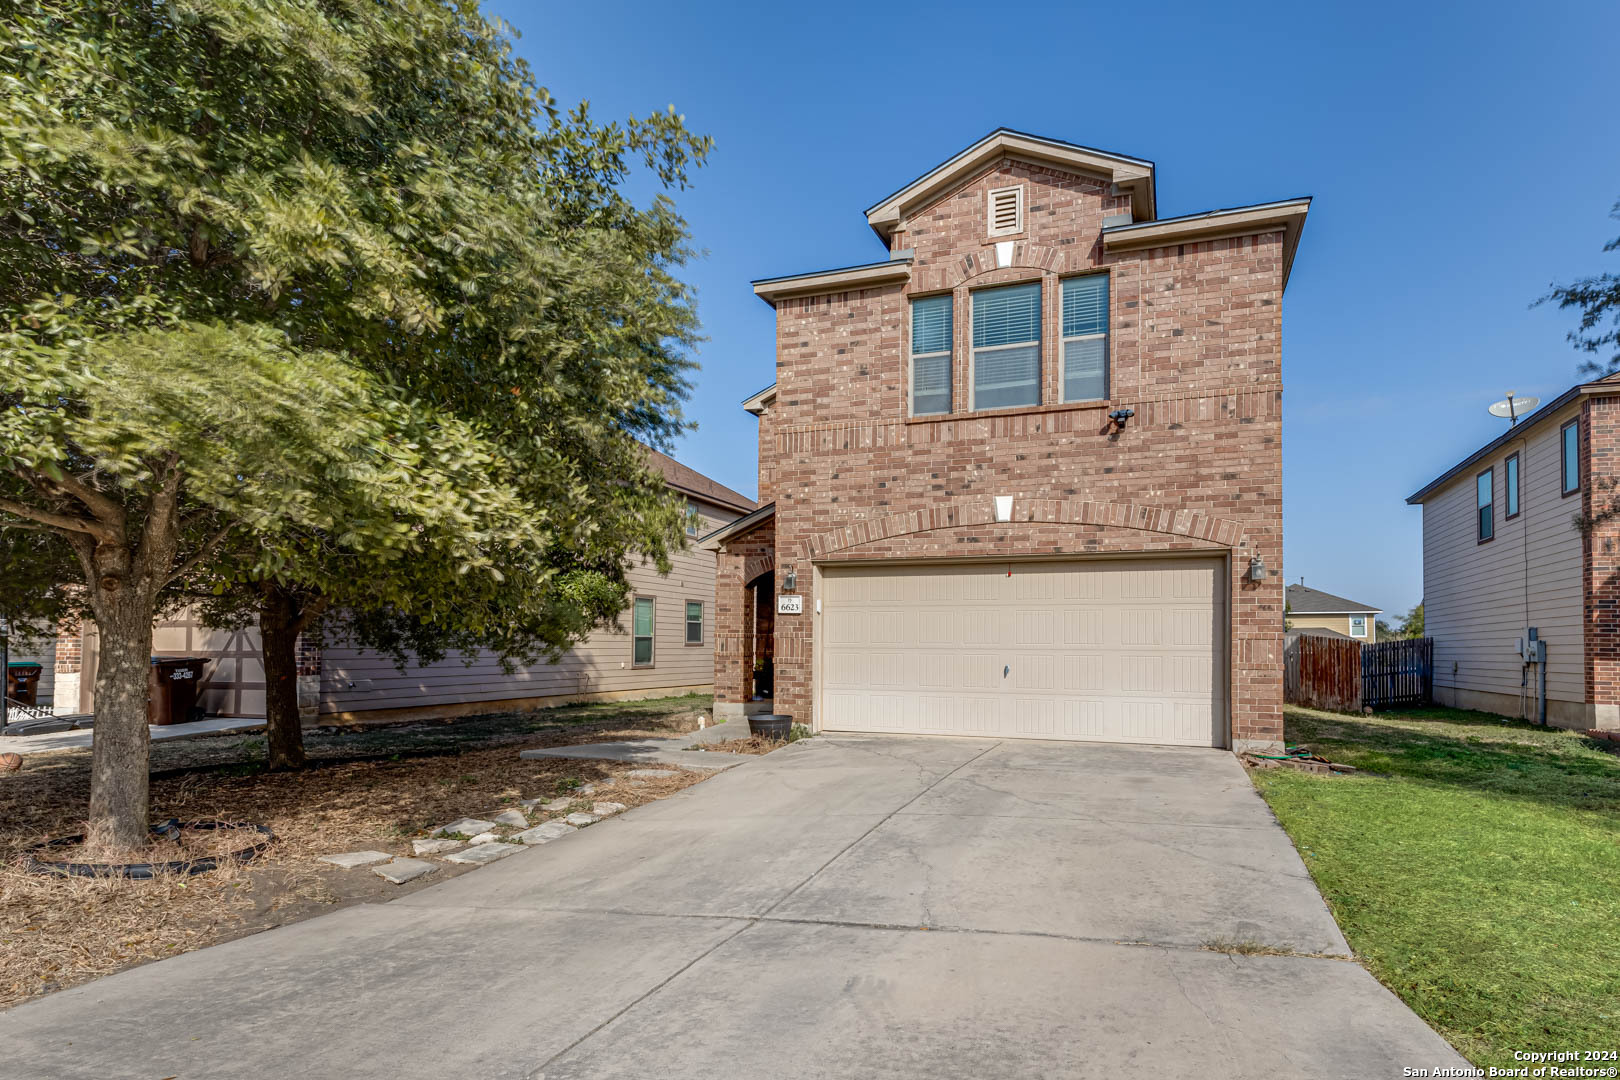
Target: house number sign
pixel 790 605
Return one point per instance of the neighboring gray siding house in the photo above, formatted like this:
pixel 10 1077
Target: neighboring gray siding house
pixel 1502 556
pixel 664 644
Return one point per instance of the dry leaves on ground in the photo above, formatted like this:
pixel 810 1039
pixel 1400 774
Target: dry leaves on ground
pixel 59 931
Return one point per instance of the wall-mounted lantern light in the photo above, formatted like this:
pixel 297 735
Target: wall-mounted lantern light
pixel 790 580
pixel 1257 569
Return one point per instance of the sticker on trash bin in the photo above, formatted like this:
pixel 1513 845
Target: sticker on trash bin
pixel 180 673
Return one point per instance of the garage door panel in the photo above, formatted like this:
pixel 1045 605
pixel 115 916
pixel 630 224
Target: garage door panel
pixel 1112 650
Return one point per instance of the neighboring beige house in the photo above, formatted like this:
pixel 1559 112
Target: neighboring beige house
pixel 1503 562
pixel 664 644
pixel 1313 609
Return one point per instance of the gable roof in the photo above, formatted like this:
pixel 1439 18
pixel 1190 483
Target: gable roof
pixel 689 481
pixel 1303 601
pixel 1609 384
pixel 1132 175
pixel 712 541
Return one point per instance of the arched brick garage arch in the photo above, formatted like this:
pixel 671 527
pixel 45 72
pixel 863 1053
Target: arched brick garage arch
pixel 980 510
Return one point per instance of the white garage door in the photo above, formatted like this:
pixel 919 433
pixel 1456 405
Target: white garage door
pixel 1103 650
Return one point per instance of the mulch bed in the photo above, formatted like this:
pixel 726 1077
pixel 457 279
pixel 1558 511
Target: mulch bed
pixel 358 793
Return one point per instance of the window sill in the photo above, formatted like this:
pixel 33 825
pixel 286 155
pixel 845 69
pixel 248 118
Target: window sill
pixel 1015 410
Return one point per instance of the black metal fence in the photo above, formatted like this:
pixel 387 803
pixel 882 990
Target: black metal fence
pixel 1397 673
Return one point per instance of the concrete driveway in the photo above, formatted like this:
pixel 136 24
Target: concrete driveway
pixel 846 907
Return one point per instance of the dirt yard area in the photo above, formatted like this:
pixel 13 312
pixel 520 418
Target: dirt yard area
pixel 376 788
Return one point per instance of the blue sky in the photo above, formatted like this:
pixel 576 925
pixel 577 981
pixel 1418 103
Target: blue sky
pixel 1462 157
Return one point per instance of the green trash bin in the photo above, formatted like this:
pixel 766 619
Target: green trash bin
pixel 172 689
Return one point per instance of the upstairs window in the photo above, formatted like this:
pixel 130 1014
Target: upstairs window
pixel 1487 513
pixel 1085 338
pixel 1005 210
pixel 931 327
pixel 1007 346
pixel 694 520
pixel 1510 486
pixel 1358 626
pixel 1571 437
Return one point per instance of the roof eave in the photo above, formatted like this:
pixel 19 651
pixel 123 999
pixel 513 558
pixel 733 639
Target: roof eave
pixel 1287 216
pixel 758 403
pixel 712 541
pixel 1421 495
pixel 1132 175
pixel 866 275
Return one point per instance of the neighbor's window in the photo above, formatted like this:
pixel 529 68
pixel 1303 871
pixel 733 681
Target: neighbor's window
pixel 1487 517
pixel 1007 346
pixel 1510 484
pixel 1085 338
pixel 1572 457
pixel 1358 626
pixel 641 631
pixel 694 520
pixel 694 622
pixel 931 355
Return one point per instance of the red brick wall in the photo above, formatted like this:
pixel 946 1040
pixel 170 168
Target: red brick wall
pixel 767 455
pixel 738 562
pixel 1195 349
pixel 1600 555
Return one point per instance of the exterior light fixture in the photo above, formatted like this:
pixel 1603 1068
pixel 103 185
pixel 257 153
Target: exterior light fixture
pixel 1119 416
pixel 790 580
pixel 1257 569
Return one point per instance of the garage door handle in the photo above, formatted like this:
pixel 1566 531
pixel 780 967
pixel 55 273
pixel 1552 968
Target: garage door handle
pixel 1006 669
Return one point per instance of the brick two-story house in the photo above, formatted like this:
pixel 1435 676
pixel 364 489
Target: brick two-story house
pixel 1023 477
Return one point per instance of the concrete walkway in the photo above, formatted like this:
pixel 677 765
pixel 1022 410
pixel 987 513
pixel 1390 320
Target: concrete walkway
pixel 66 740
pixel 845 907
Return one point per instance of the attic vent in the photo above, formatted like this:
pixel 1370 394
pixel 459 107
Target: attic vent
pixel 1006 211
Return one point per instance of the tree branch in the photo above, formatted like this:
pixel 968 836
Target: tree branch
pixel 63 522
pixel 105 508
pixel 308 615
pixel 199 555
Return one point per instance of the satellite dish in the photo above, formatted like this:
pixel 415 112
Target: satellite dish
pixel 1511 408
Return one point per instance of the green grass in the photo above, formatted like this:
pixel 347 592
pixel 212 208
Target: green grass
pixel 1474 865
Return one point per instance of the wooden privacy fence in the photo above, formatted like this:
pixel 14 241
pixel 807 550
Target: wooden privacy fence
pixel 1323 673
pixel 1345 676
pixel 1397 673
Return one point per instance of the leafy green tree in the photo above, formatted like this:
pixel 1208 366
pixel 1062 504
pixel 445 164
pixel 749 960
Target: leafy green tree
pixel 1412 622
pixel 1597 298
pixel 323 305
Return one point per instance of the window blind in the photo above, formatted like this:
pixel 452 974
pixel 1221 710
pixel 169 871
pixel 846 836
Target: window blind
pixel 931 324
pixel 1007 346
pixel 1085 337
pixel 1007 316
pixel 931 337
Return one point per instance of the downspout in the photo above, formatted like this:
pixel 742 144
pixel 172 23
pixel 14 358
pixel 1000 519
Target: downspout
pixel 1541 657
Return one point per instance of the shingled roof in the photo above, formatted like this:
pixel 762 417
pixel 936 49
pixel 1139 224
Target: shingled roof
pixel 691 482
pixel 1303 601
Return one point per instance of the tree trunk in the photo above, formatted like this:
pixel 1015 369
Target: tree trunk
pixel 118 760
pixel 280 620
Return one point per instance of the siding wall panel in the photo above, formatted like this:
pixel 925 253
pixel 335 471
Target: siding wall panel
pixel 1478 598
pixel 355 680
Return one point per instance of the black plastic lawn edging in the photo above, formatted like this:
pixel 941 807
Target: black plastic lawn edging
pixel 168 830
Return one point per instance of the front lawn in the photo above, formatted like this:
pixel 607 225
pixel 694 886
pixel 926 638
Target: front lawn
pixel 1474 865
